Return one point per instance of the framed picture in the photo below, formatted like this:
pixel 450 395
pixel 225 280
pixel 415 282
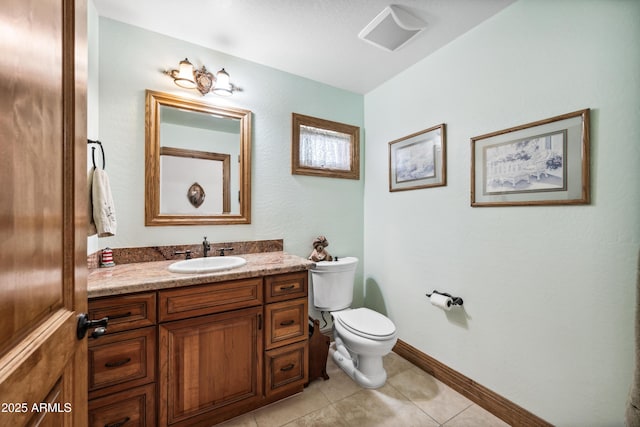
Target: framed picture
pixel 418 160
pixel 540 163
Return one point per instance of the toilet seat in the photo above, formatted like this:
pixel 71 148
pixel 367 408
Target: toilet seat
pixel 366 323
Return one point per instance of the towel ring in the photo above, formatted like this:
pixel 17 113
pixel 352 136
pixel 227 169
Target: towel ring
pixel 93 151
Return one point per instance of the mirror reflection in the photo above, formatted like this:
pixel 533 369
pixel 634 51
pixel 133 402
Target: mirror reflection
pixel 198 164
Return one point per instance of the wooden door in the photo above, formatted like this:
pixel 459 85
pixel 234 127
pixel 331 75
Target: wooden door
pixel 43 366
pixel 210 367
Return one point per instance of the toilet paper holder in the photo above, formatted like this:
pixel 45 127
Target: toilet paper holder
pixel 454 300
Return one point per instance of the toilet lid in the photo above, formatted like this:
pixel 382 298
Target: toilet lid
pixel 367 323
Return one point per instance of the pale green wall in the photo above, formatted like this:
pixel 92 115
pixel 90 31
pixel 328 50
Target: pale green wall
pixel 548 291
pixel 292 207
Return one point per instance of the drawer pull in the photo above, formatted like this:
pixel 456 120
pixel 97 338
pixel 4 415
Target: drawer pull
pixel 120 316
pixel 287 322
pixel 118 363
pixel 287 288
pixel 118 423
pixel 289 367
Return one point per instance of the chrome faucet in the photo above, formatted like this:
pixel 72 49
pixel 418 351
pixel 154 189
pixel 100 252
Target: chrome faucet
pixel 206 246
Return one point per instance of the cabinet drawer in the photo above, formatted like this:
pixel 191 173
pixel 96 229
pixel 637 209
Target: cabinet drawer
pixel 124 357
pixel 286 368
pixel 208 299
pixel 125 312
pixel 286 322
pixel 130 408
pixel 286 286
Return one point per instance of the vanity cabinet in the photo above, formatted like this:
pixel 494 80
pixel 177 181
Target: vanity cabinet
pixel 122 363
pixel 210 365
pixel 203 354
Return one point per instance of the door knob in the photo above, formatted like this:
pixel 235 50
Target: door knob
pixel 85 324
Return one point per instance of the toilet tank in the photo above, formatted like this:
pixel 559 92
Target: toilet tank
pixel 332 283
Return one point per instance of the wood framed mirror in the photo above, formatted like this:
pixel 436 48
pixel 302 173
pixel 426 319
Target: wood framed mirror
pixel 197 162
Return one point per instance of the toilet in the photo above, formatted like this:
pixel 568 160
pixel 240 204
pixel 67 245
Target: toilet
pixel 362 336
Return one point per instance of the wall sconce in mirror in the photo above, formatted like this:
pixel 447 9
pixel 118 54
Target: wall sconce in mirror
pixel 187 77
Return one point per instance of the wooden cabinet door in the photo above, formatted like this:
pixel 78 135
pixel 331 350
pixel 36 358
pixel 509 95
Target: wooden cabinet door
pixel 210 367
pixel 43 165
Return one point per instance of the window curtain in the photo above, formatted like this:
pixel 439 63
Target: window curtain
pixel 320 148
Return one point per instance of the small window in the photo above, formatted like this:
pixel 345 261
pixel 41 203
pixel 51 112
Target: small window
pixel 324 148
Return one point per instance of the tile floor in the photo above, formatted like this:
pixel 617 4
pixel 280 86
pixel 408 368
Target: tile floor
pixel 410 397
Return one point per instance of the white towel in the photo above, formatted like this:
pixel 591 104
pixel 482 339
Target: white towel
pixel 104 213
pixel 92 224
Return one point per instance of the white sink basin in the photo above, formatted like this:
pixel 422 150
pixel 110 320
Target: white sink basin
pixel 206 265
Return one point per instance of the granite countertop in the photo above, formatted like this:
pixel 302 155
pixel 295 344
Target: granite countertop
pixel 151 276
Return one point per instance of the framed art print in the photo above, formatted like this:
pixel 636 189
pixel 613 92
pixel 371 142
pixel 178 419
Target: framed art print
pixel 418 160
pixel 540 163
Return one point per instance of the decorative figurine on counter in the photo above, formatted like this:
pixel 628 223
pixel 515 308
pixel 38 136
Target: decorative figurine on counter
pixel 319 252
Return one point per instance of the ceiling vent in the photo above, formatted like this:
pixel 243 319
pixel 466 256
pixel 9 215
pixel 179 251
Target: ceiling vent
pixel 392 28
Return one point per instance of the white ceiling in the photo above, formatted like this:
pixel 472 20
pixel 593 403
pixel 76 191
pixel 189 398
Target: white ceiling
pixel 317 39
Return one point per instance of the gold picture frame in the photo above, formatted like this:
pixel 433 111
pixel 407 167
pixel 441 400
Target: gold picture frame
pixel 541 163
pixel 419 160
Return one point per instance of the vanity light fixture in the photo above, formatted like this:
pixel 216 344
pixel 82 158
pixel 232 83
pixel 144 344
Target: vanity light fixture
pixel 223 86
pixel 183 76
pixel 186 76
